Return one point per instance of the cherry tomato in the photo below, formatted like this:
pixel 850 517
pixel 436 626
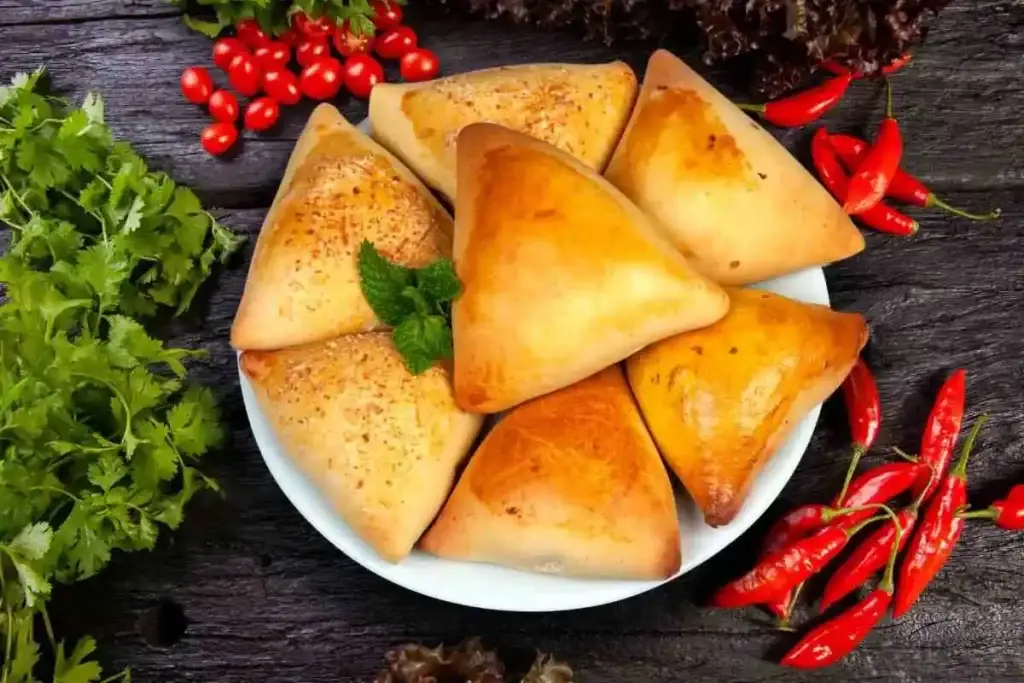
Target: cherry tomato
pixel 321 27
pixel 282 85
pixel 310 49
pixel 386 14
pixel 245 74
pixel 262 113
pixel 250 33
pixel 273 54
pixel 362 72
pixel 291 37
pixel 348 43
pixel 196 84
pixel 322 79
pixel 419 65
pixel 224 106
pixel 218 138
pixel 225 49
pixel 395 42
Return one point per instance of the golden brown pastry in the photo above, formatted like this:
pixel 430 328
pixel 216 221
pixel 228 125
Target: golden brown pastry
pixel 579 108
pixel 562 276
pixel 719 401
pixel 381 444
pixel 569 483
pixel 339 188
pixel 727 194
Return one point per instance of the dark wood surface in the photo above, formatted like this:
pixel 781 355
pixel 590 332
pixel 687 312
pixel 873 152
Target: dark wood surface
pixel 265 598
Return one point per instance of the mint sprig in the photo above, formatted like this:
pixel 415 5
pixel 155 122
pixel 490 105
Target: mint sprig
pixel 415 302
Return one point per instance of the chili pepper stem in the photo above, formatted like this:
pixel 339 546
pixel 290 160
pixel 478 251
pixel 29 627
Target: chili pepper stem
pixel 886 583
pixel 830 514
pixel 858 451
pixel 987 513
pixel 783 623
pixel 935 202
pixel 960 469
pixel 903 454
pixel 756 108
pixel 888 98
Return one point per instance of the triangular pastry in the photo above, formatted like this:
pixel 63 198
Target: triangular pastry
pixel 340 187
pixel 569 483
pixel 720 401
pixel 381 444
pixel 562 276
pixel 579 108
pixel 723 189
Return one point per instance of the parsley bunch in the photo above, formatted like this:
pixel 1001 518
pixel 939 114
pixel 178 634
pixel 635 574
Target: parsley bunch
pixel 415 302
pixel 98 432
pixel 273 15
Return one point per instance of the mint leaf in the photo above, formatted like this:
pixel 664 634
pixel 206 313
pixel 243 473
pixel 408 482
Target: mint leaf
pixel 382 283
pixel 422 340
pixel 438 281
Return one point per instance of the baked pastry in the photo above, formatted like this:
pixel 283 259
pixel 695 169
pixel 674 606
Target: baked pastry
pixel 340 187
pixel 562 276
pixel 380 443
pixel 721 400
pixel 579 108
pixel 569 483
pixel 725 191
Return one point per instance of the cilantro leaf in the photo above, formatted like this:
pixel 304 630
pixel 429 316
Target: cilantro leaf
pixel 74 668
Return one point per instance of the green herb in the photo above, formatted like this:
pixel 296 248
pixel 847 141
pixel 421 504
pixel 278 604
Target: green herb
pixel 416 302
pixel 98 433
pixel 273 15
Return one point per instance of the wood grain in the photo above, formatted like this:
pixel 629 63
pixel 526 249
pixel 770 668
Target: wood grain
pixel 267 598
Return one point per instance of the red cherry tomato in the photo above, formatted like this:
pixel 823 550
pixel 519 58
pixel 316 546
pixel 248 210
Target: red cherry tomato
pixel 322 79
pixel 218 138
pixel 291 37
pixel 310 49
pixel 348 43
pixel 362 72
pixel 245 74
pixel 386 14
pixel 196 84
pixel 395 42
pixel 321 27
pixel 419 65
pixel 282 85
pixel 273 54
pixel 224 106
pixel 225 49
pixel 261 114
pixel 250 33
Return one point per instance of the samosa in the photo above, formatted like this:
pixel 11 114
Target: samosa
pixel 721 400
pixel 579 108
pixel 340 187
pixel 726 193
pixel 381 444
pixel 569 483
pixel 562 276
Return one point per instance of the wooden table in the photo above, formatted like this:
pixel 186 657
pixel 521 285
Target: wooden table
pixel 265 598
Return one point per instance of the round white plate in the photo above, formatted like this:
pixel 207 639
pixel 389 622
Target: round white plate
pixel 499 588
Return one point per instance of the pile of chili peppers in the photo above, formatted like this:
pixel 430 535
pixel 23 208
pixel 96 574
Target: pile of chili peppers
pixel 807 539
pixel 858 174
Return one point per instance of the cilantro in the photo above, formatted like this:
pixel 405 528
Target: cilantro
pixel 273 15
pixel 416 302
pixel 98 434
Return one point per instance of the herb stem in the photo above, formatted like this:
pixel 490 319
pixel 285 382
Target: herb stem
pixel 56 489
pixel 10 188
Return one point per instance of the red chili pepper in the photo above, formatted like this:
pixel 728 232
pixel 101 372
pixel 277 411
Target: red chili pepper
pixel 1007 513
pixel 834 67
pixel 877 485
pixel 868 558
pixel 874 173
pixel 881 216
pixel 781 571
pixel 940 432
pixel 938 532
pixel 792 527
pixel 904 187
pixel 864 412
pixel 803 107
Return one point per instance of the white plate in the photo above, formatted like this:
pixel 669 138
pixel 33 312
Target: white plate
pixel 498 588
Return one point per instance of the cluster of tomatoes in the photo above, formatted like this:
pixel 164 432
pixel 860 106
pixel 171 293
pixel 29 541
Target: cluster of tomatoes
pixel 258 67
